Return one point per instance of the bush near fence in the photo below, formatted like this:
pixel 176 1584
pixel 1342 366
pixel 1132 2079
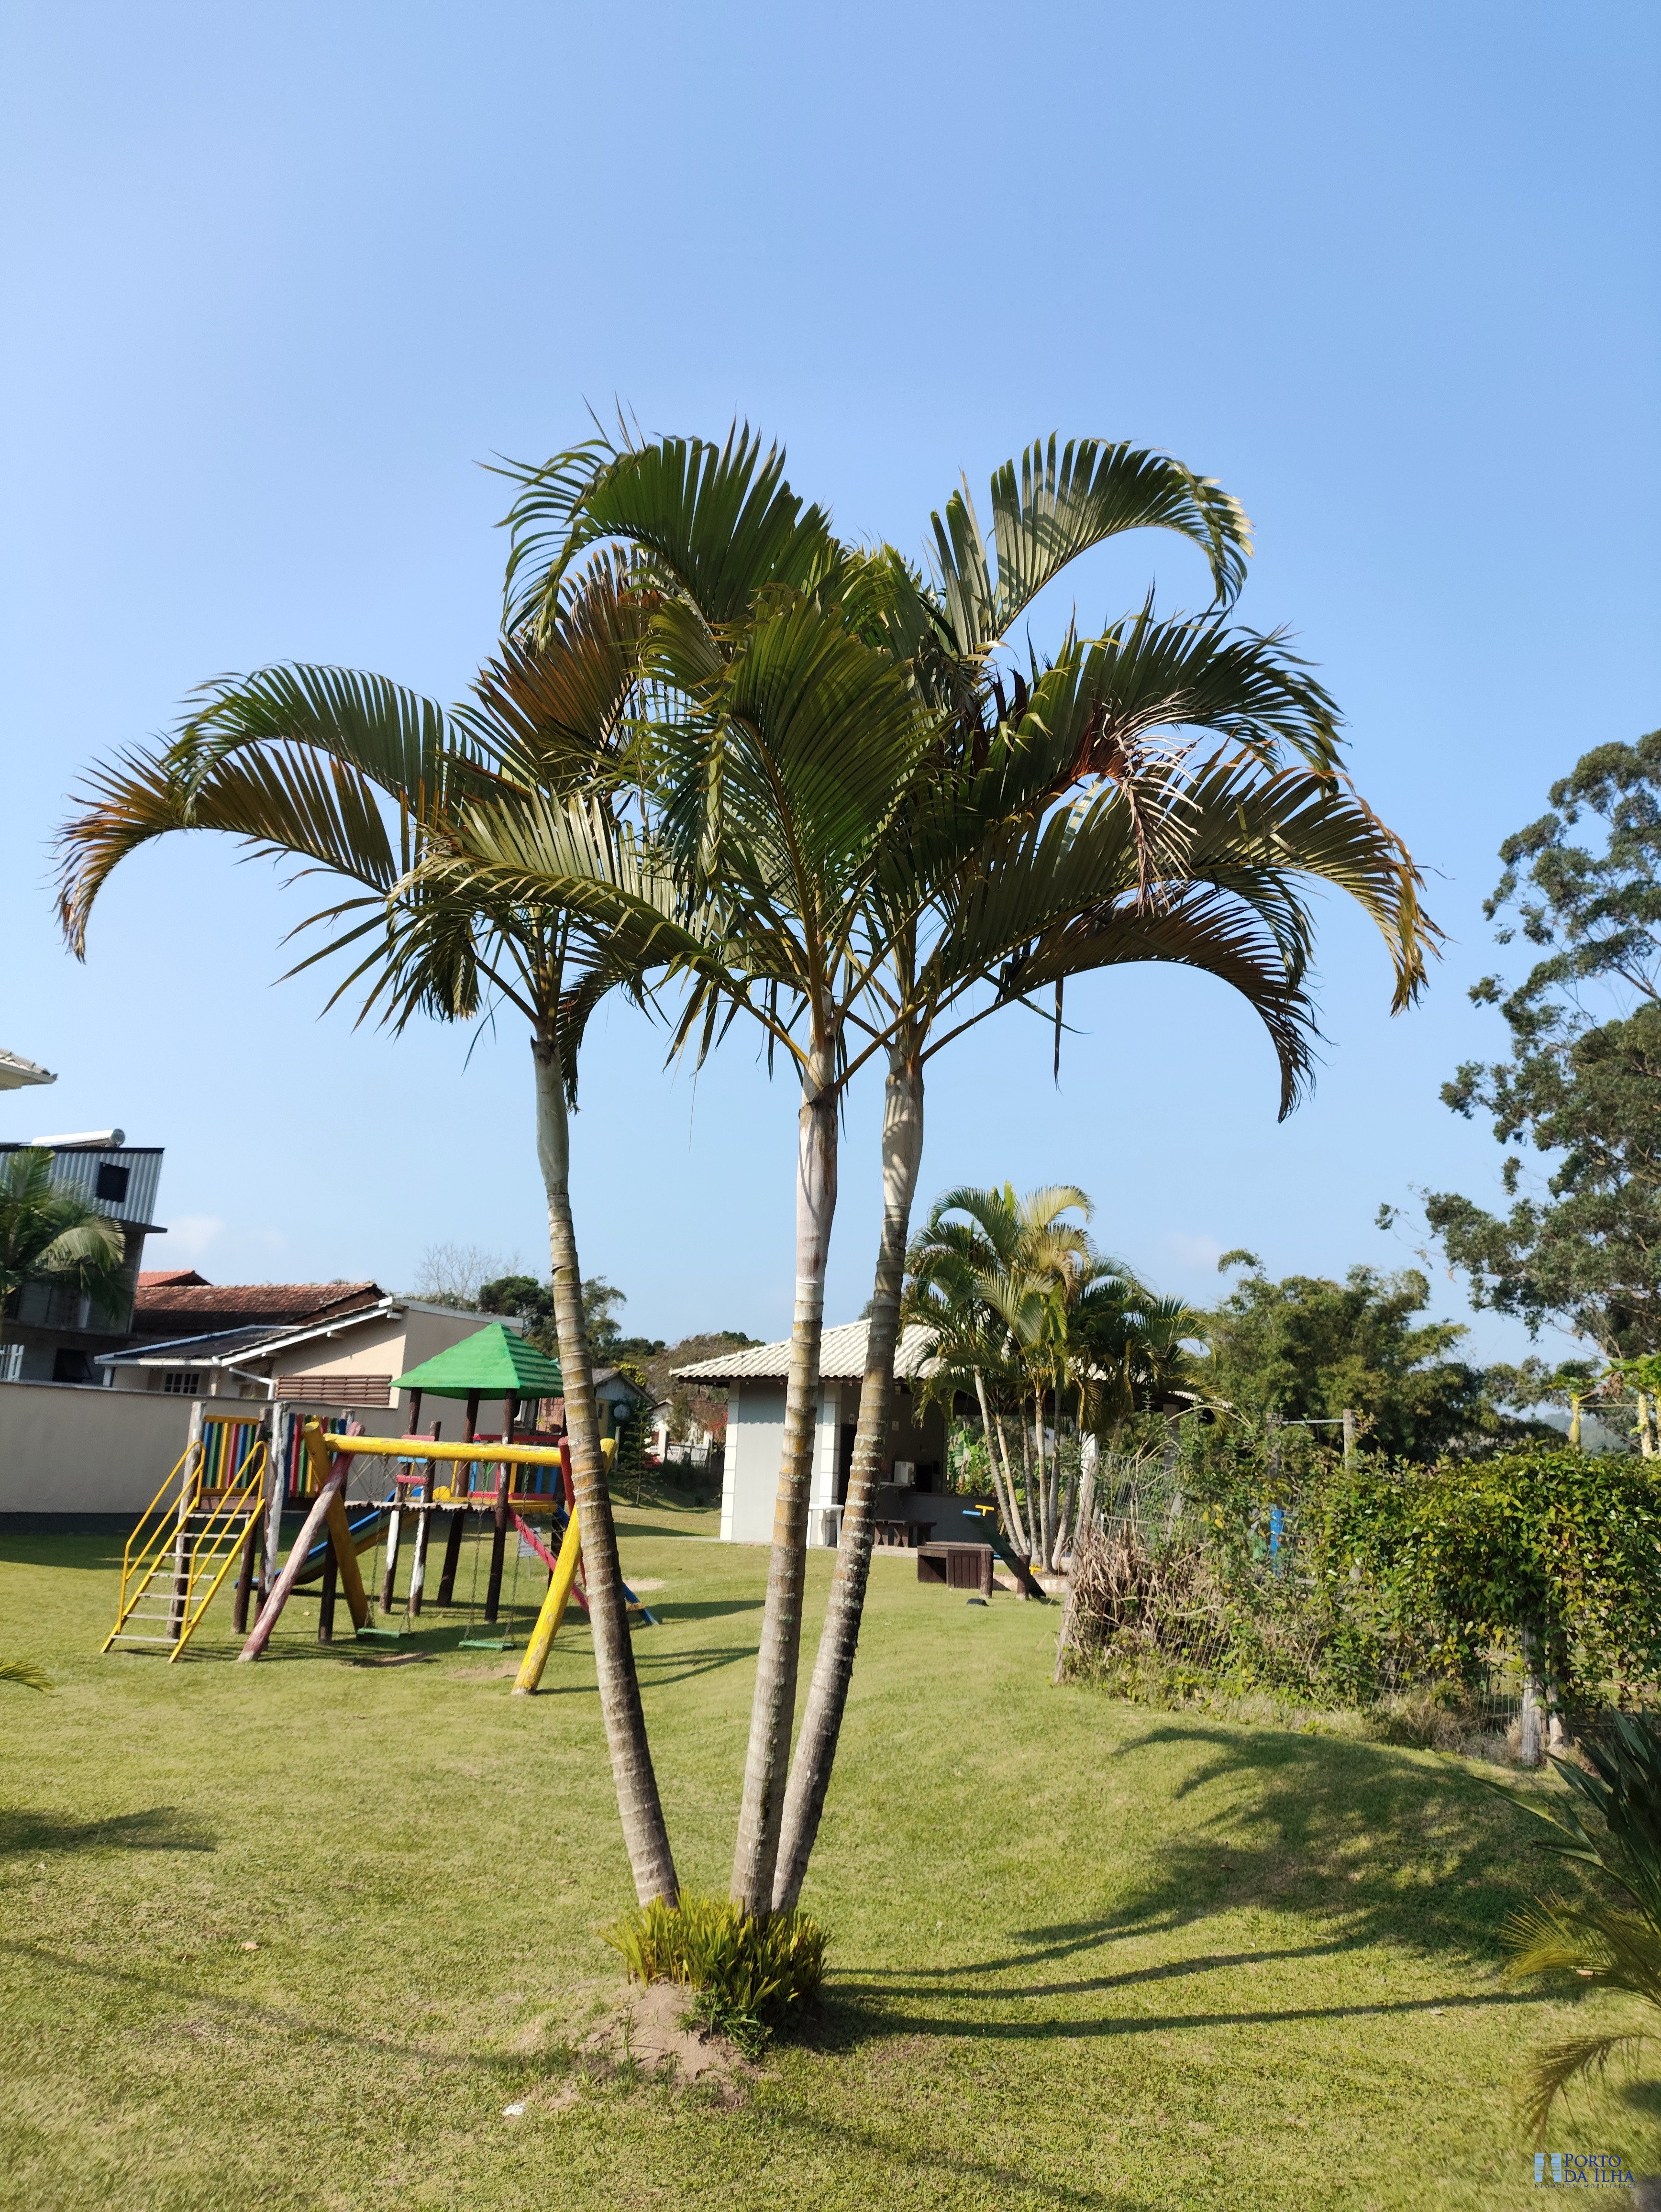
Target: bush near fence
pixel 1418 1594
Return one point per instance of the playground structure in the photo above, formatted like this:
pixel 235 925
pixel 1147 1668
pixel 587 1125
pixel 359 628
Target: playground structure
pixel 222 1509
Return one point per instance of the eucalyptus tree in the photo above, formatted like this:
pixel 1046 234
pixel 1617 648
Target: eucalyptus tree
pixel 370 784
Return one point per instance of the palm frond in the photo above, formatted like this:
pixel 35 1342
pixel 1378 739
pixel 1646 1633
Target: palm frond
pixel 1063 502
pixel 719 522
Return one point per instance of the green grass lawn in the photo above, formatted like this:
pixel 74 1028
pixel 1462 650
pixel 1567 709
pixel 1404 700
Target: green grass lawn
pixel 1084 1954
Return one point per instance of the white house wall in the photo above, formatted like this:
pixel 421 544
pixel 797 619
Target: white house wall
pixel 755 1442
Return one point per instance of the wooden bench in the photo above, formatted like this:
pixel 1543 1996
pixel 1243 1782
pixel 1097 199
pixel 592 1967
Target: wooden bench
pixel 958 1566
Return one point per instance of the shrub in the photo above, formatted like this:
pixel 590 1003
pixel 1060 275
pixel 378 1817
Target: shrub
pixel 753 1974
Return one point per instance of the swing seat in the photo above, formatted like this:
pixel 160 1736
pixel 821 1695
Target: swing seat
pixel 367 1635
pixel 486 1643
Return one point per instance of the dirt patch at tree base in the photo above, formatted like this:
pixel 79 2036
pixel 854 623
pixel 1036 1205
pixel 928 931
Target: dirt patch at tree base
pixel 648 2025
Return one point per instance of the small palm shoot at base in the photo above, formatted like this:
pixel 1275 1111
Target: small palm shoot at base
pixel 1618 1945
pixel 748 1975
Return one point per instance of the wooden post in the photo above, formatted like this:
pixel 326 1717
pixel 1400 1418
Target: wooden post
pixel 458 1529
pixel 283 1419
pixel 418 1565
pixel 390 1574
pixel 245 1577
pixel 552 1612
pixel 415 1413
pixel 346 1557
pixel 471 1429
pixel 325 1604
pixel 1531 1729
pixel 1349 1436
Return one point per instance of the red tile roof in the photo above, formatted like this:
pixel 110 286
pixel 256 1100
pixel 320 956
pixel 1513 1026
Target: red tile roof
pixel 172 1307
pixel 153 1279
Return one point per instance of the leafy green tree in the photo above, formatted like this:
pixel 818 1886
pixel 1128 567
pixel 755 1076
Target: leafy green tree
pixel 52 1237
pixel 1582 1083
pixel 521 1298
pixel 1306 1347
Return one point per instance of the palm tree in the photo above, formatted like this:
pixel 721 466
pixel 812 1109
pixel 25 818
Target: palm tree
pixel 1015 840
pixel 1018 1260
pixel 1196 860
pixel 825 835
pixel 371 785
pixel 51 1237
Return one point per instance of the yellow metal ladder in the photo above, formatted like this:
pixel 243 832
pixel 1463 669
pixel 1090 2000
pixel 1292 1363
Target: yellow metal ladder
pixel 182 1550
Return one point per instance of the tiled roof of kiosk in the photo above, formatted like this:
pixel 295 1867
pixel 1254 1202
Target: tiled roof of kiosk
pixel 841 1358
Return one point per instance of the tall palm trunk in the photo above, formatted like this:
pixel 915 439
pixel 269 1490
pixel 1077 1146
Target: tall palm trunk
pixel 644 1832
pixel 833 1669
pixel 1017 1526
pixel 1045 1518
pixel 1004 1497
pixel 1088 1450
pixel 773 1709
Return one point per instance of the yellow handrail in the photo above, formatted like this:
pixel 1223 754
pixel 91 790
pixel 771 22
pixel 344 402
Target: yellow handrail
pixel 159 1536
pixel 230 1511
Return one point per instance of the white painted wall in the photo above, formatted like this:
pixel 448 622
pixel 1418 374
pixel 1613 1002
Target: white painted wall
pixel 755 1439
pixel 76 1448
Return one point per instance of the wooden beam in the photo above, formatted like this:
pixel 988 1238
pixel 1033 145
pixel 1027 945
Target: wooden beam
pixel 346 1551
pixel 315 1521
pixel 552 1612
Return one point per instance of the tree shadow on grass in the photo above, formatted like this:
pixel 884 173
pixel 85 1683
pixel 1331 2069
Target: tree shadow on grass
pixel 687 1666
pixel 1383 1845
pixel 703 1610
pixel 162 1828
pixel 1370 1846
pixel 236 2010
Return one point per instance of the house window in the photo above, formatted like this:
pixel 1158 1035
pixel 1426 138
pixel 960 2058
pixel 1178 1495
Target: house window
pixel 111 1183
pixel 179 1383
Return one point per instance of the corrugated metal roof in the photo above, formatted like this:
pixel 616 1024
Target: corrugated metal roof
pixel 841 1358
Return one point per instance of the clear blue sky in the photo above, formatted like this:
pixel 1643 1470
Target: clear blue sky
pixel 278 279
